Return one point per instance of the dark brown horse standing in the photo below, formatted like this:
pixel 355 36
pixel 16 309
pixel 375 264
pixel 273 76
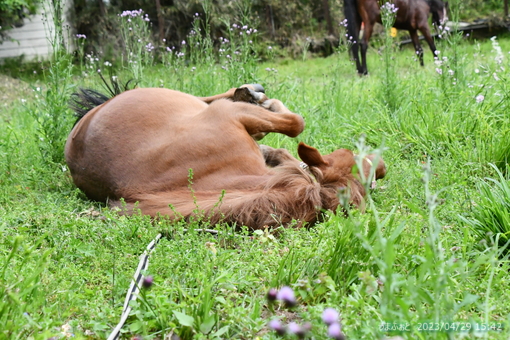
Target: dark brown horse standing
pixel 412 15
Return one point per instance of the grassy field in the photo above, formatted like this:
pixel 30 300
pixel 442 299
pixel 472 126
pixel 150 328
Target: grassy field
pixel 428 253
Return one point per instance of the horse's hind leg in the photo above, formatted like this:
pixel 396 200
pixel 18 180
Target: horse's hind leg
pixel 253 93
pixel 364 46
pixel 425 30
pixel 271 116
pixel 417 45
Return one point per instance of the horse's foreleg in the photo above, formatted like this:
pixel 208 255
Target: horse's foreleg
pixel 272 116
pixel 417 45
pixel 253 93
pixel 426 33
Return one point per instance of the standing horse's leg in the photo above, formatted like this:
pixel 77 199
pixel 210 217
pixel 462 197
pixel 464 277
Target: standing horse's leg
pixel 367 33
pixel 425 30
pixel 354 40
pixel 355 55
pixel 417 45
pixel 351 12
pixel 254 94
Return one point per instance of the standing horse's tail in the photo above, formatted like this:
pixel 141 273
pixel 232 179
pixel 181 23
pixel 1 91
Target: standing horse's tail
pixel 353 28
pixel 438 10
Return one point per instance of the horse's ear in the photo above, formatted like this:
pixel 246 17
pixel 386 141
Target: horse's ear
pixel 310 155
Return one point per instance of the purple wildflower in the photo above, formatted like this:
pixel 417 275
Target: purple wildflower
pixel 330 316
pixel 147 282
pixel 389 7
pixel 335 332
pixel 277 326
pixel 286 294
pixel 298 330
pixel 149 47
pixel 272 294
pixel 132 14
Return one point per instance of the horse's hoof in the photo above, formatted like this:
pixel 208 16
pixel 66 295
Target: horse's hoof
pixel 255 87
pixel 248 95
pixel 258 88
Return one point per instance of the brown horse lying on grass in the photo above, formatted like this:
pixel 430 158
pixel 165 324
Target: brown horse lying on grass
pixel 189 157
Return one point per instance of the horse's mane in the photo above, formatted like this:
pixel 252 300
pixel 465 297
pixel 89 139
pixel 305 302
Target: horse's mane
pixel 291 194
pixel 85 100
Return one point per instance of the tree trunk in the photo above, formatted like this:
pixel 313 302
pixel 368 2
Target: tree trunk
pixel 270 19
pixel 327 16
pixel 161 22
pixel 102 8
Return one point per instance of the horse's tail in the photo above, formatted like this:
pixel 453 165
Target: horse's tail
pixel 437 9
pixel 353 20
pixel 85 100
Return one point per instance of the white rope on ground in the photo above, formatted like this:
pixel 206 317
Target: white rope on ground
pixel 134 288
pixel 136 283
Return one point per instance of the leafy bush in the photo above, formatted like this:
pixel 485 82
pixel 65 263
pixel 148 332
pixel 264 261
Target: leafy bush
pixel 12 13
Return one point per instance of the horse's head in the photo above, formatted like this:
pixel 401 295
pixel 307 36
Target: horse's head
pixel 337 168
pixel 438 9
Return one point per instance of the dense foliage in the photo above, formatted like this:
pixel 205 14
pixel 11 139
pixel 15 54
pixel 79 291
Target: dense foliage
pixel 289 24
pixel 12 13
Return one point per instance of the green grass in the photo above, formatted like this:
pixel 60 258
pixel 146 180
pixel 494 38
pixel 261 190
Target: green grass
pixel 67 261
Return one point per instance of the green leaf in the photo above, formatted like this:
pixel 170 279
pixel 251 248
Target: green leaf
pixel 220 299
pixel 414 208
pixel 135 326
pixel 208 324
pixel 184 319
pixel 220 332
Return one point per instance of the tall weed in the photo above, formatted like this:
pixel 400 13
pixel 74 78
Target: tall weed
pixel 50 109
pixel 138 46
pixel 389 84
